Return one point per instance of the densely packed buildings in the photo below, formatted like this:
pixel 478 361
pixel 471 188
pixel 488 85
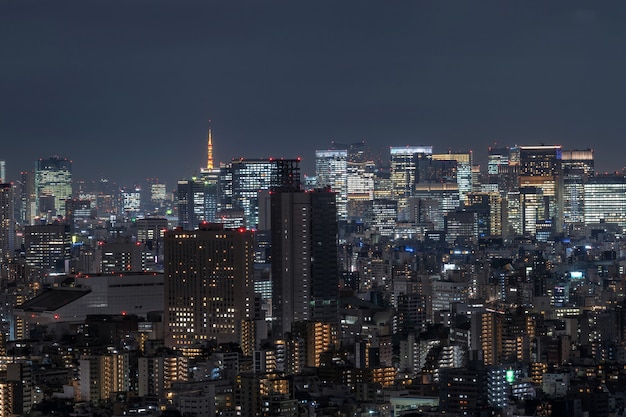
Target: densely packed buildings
pixel 422 285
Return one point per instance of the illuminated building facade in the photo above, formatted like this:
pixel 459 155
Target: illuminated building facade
pixel 578 168
pixel 197 202
pixel 433 202
pixel 360 183
pixel 488 208
pixel 404 172
pixel 540 169
pixel 208 284
pixel 605 200
pixel 463 174
pixel 53 179
pixel 331 171
pixel 47 250
pixel 243 179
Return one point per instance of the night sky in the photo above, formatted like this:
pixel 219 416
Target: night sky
pixel 126 88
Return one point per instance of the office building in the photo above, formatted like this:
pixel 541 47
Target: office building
pixel 242 180
pixel 578 168
pixel 489 211
pixel 384 217
pixel 151 232
pixel 463 170
pixel 209 276
pixel 53 186
pixel 502 169
pixel 47 250
pixel 461 226
pixel 197 202
pixel 431 203
pixel 404 161
pixel 78 213
pixel 130 203
pixel 360 184
pixel 540 172
pixel 331 171
pixel 305 270
pixel 605 200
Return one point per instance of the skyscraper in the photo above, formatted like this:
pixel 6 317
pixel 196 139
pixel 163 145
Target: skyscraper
pixel 305 272
pixel 7 221
pixel 53 184
pixel 578 168
pixel 208 284
pixel 197 202
pixel 331 171
pixel 243 179
pixel 47 250
pixel 403 173
pixel 605 200
pixel 463 170
pixel 540 173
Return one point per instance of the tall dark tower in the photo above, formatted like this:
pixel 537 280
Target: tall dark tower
pixel 305 272
pixel 7 221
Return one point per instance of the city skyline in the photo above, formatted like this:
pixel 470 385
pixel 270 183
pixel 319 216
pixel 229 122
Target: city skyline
pixel 126 91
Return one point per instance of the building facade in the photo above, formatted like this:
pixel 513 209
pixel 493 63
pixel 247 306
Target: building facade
pixel 208 284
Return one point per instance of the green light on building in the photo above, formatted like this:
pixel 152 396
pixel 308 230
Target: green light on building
pixel 510 376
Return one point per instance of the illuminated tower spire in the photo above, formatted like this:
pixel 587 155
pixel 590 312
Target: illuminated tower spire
pixel 209 159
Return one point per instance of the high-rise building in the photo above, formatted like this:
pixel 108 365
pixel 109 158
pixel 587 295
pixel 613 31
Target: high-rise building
pixel 605 200
pixel 243 179
pixel 151 232
pixel 7 221
pixel 360 183
pixel 463 169
pixel 47 250
pixel 305 270
pixel 197 202
pixel 488 208
pixel 540 170
pixel 433 202
pixel 331 171
pixel 77 213
pixel 578 168
pixel 404 173
pixel 502 169
pixel 209 276
pixel 53 183
pixel 130 202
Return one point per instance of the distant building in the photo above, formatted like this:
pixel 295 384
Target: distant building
pixel 404 161
pixel 605 200
pixel 242 180
pixel 331 171
pixel 53 182
pixel 540 170
pixel 7 221
pixel 578 168
pixel 47 250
